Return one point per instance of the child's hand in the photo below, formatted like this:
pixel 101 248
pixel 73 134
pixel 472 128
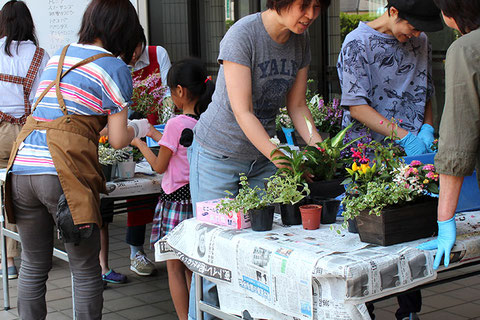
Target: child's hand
pixel 151 131
pixel 136 142
pixel 154 133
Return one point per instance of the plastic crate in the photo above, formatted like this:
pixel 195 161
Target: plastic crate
pixel 150 141
pixel 469 199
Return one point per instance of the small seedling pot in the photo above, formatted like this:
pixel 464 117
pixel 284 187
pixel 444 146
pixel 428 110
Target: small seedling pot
pixel 311 215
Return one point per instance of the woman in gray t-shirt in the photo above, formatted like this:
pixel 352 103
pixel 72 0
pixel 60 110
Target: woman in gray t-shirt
pixel 264 59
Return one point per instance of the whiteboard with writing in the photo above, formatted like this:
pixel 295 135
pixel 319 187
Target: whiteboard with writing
pixel 57 22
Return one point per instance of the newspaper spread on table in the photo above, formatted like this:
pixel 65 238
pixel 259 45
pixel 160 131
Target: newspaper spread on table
pixel 144 182
pixel 291 273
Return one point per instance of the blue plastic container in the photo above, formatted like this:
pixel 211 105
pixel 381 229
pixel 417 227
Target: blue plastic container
pixel 289 132
pixel 469 199
pixel 152 143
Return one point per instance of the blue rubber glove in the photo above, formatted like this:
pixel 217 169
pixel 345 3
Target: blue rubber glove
pixel 412 145
pixel 426 135
pixel 447 233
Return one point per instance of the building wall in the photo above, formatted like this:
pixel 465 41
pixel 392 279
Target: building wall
pixel 168 26
pixel 214 31
pixel 170 23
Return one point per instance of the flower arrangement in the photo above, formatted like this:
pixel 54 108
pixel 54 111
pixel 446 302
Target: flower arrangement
pixel 283 119
pixel 385 180
pixel 417 177
pixel 327 117
pixel 108 155
pixel 148 95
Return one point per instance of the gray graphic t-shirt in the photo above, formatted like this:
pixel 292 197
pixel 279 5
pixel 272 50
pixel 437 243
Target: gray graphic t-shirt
pixel 273 67
pixel 392 77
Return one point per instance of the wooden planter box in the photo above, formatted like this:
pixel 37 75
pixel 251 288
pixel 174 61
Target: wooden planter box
pixel 399 224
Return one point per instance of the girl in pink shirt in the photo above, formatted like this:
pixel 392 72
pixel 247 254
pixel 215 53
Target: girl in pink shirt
pixel 191 92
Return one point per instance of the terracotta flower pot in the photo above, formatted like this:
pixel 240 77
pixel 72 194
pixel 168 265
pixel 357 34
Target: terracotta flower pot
pixel 311 215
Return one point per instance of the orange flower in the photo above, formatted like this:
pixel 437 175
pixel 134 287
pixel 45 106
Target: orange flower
pixel 103 139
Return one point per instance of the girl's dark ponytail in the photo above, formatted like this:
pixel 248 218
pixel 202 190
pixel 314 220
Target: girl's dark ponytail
pixel 206 97
pixel 191 73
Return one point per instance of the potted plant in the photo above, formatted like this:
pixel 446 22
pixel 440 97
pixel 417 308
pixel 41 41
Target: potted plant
pixel 148 99
pixel 311 216
pixel 284 123
pixel 324 161
pixel 284 189
pixel 390 200
pixel 255 201
pixel 121 160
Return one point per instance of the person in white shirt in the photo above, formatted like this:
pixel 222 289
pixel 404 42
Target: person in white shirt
pixel 21 63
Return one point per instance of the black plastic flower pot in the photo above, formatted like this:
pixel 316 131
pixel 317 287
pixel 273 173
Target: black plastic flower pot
pixel 107 171
pixel 327 188
pixel 291 214
pixel 262 219
pixel 352 225
pixel 329 209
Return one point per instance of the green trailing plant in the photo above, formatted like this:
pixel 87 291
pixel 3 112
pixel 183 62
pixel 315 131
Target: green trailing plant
pixel 378 194
pixel 247 198
pixel 285 189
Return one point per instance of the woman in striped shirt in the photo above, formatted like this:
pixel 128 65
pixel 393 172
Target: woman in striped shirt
pixel 57 153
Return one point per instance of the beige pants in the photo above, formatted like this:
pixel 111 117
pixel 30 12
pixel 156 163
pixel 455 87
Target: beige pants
pixel 8 134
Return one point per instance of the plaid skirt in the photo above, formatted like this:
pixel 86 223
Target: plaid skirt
pixel 170 211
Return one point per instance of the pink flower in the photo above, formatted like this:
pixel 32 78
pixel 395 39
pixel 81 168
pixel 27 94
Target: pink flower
pixel 357 154
pixel 415 163
pixel 381 121
pixel 429 167
pixel 400 121
pixel 364 160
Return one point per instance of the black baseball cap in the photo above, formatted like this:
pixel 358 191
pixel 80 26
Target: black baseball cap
pixel 424 15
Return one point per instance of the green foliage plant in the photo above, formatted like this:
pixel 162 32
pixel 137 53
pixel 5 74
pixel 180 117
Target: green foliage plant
pixel 349 22
pixel 324 159
pixel 285 189
pixel 378 194
pixel 247 198
pixel 293 161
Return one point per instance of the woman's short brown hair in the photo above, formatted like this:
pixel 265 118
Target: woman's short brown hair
pixel 279 5
pixel 116 24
